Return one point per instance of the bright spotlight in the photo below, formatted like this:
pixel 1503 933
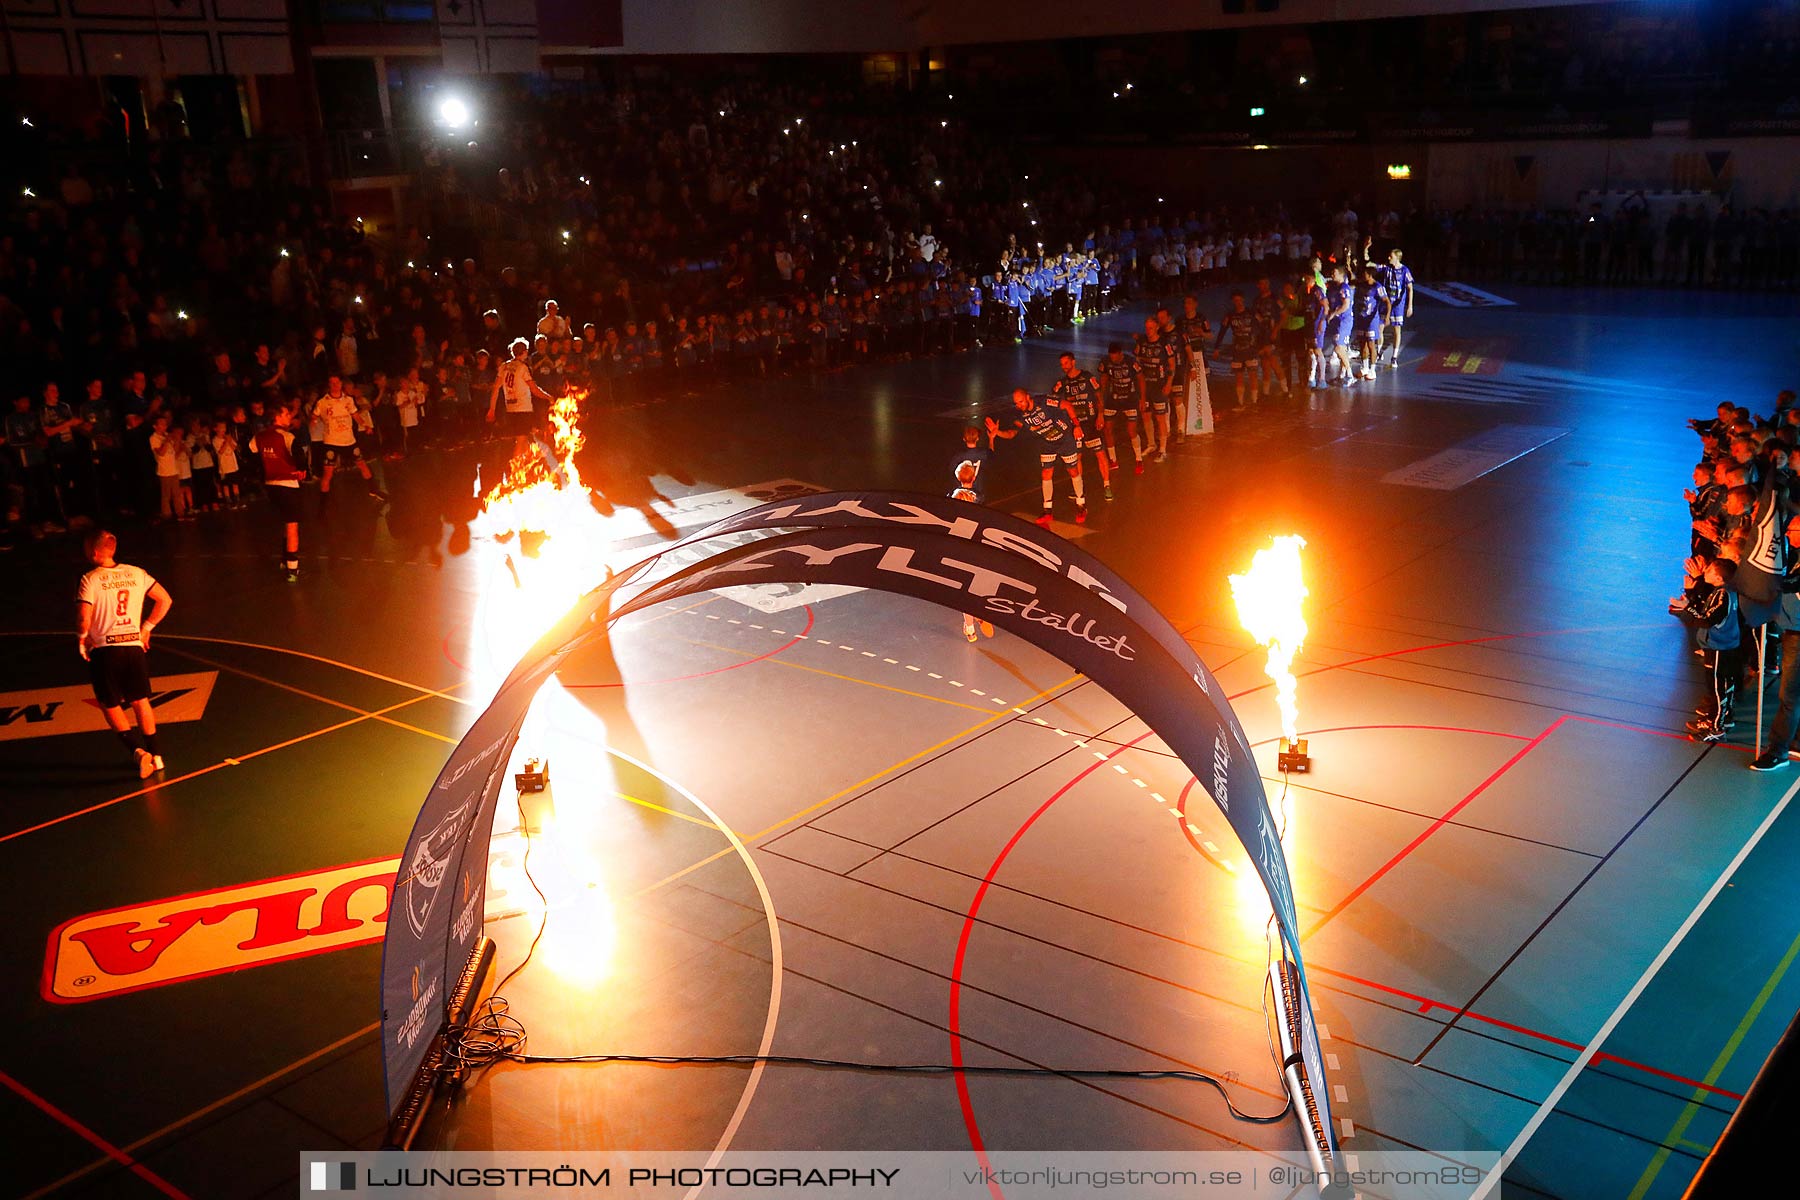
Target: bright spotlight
pixel 454 112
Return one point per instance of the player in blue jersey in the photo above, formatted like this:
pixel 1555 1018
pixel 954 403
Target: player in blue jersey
pixel 1058 437
pixel 1339 322
pixel 1398 279
pixel 1079 394
pixel 1316 333
pixel 1372 309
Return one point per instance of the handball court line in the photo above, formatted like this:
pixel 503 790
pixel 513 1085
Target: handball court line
pixel 199 1113
pixel 318 658
pixel 992 719
pixel 1511 1154
pixel 236 760
pixel 113 1153
pixel 782 662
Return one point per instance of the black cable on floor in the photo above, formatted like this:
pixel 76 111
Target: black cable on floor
pixel 493 1036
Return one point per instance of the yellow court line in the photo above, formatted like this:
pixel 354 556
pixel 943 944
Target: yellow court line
pixel 676 612
pixel 655 807
pixel 782 662
pixel 1008 714
pixel 319 658
pixel 211 767
pixel 1678 1130
pixel 214 1107
pixel 288 687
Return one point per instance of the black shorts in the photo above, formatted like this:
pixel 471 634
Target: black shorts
pixel 519 424
pixel 120 675
pixel 342 455
pixel 285 501
pixel 1244 356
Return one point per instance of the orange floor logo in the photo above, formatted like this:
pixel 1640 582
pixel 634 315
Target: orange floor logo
pixel 253 924
pixel 208 933
pixel 47 712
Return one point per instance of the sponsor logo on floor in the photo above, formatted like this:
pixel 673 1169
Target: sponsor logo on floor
pixel 1461 295
pixel 1468 461
pixel 1466 356
pixel 190 937
pixel 48 712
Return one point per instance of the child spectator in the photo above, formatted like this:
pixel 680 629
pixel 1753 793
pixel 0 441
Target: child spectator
pixel 204 466
pixel 184 468
pixel 967 478
pixel 165 445
pixel 1713 607
pixel 225 451
pixel 409 399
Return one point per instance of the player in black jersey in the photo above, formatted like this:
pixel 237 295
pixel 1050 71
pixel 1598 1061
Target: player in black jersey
pixel 1191 332
pixel 1058 436
pixel 1246 347
pixel 1267 307
pixel 1156 358
pixel 1119 400
pixel 1079 394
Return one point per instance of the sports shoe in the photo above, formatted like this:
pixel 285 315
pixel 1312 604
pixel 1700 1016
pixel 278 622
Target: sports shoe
pixel 146 763
pixel 969 632
pixel 1771 760
pixel 1701 731
pixel 987 629
pixel 293 577
pixel 157 759
pixel 1720 720
pixel 1162 456
pixel 1137 468
pixel 1045 520
pixel 1107 491
pixel 1081 515
pixel 378 493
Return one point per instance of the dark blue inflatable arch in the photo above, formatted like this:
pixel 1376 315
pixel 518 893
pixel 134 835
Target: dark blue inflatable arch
pixel 1020 577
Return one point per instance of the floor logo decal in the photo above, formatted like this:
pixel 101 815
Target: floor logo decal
pixel 49 712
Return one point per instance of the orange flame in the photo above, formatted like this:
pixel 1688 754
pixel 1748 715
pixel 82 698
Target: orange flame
pixel 534 494
pixel 1268 603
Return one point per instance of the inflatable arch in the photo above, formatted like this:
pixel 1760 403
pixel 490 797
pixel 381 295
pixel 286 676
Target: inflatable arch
pixel 1024 579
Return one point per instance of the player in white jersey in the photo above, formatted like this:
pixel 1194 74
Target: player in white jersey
pixel 514 382
pixel 113 634
pixel 338 410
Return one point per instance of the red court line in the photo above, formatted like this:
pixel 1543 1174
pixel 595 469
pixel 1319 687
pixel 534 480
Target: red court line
pixel 1426 1005
pixel 111 1151
pixel 1492 637
pixel 792 642
pixel 962 952
pixel 1432 828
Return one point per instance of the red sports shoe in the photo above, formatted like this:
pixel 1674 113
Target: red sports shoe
pixel 1045 520
pixel 1081 515
pixel 1137 468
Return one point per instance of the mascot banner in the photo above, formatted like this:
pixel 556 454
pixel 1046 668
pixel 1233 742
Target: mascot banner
pixel 1002 569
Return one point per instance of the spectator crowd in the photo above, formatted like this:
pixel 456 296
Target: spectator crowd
pixel 1741 590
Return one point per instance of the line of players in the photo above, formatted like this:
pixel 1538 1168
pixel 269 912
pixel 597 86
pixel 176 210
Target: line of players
pixel 1150 392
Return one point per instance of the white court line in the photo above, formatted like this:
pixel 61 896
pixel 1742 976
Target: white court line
pixel 1593 1047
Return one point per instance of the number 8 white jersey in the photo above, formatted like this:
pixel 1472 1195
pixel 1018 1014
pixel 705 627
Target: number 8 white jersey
pixel 116 598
